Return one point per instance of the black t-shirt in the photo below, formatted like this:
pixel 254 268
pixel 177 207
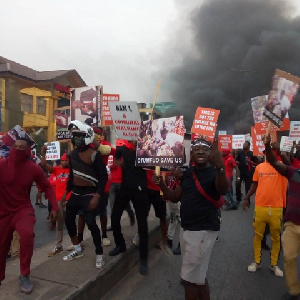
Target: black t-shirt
pixel 132 176
pixel 196 212
pixel 244 166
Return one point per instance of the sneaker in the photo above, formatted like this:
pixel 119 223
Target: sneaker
pixel 136 240
pixel 100 262
pixel 72 255
pixel 177 251
pixel 117 250
pixel 71 247
pixel 25 284
pixel 276 270
pixel 55 251
pixel 253 267
pixel 167 251
pixel 106 241
pixel 43 206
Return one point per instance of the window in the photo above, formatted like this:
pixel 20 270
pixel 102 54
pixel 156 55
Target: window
pixel 41 106
pixel 26 103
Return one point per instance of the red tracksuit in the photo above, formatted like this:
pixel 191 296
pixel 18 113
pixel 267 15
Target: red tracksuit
pixel 17 174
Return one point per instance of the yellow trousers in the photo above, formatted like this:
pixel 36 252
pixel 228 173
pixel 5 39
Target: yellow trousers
pixel 273 217
pixel 291 251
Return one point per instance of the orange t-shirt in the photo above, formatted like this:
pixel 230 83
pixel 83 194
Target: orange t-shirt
pixel 272 187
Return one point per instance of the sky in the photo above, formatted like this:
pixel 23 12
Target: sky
pixel 122 45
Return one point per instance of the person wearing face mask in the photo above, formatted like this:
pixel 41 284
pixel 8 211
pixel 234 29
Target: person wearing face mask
pixel 199 193
pixel 87 180
pixel 17 174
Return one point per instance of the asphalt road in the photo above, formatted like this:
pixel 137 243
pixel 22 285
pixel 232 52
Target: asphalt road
pixel 228 276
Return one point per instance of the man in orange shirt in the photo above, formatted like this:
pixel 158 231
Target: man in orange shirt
pixel 270 188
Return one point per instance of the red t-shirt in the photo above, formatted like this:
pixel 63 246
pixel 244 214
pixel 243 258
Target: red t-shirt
pixel 150 184
pixel 296 163
pixel 62 177
pixel 229 164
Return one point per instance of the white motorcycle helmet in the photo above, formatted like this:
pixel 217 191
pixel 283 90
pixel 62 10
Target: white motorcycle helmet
pixel 80 129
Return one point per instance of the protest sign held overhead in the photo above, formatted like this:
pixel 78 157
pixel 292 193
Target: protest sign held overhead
pixel 225 142
pixel 295 130
pixel 286 143
pixel 281 96
pixel 258 145
pixel 261 122
pixel 107 119
pixel 205 122
pixel 53 151
pixel 86 104
pixel 62 118
pixel 160 142
pixel 238 141
pixel 126 118
pixel 7 141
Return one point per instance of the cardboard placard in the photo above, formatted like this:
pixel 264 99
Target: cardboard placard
pixel 205 122
pixel 238 141
pixel 222 132
pixel 258 145
pixel 126 118
pixel 107 119
pixel 295 130
pixel 225 142
pixel 53 150
pixel 286 143
pixel 160 142
pixel 261 128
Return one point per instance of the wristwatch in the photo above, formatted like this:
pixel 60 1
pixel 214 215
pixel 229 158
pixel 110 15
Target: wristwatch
pixel 221 170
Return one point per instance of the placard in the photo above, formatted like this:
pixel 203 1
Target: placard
pixel 53 151
pixel 258 145
pixel 238 141
pixel 295 130
pixel 286 143
pixel 225 142
pixel 126 118
pixel 107 119
pixel 160 142
pixel 205 122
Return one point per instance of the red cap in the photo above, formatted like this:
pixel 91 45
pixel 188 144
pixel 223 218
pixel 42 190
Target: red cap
pixel 64 157
pixel 226 151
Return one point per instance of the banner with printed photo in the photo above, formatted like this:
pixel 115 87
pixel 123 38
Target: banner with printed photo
pixel 281 96
pixel 205 121
pixel 7 141
pixel 225 142
pixel 126 118
pixel 107 119
pixel 238 141
pixel 86 104
pixel 160 142
pixel 295 130
pixel 62 118
pixel 53 151
pixel 258 145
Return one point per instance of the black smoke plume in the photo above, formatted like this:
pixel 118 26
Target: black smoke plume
pixel 238 46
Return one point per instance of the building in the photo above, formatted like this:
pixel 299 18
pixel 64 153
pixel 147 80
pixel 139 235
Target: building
pixel 28 98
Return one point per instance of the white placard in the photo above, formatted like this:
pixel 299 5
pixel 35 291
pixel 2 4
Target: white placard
pixel 222 132
pixel 295 130
pixel 53 151
pixel 286 143
pixel 126 118
pixel 238 141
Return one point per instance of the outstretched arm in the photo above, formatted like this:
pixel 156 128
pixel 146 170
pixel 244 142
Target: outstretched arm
pixel 279 167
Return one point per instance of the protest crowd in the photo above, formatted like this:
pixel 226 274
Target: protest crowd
pixel 189 185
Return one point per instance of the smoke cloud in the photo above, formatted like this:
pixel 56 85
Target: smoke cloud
pixel 235 48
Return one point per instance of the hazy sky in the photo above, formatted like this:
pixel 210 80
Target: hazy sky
pixel 122 45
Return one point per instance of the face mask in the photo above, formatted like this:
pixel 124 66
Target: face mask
pixel 19 155
pixel 78 141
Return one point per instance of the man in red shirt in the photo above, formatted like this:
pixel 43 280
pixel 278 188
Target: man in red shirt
pixel 17 174
pixel 295 159
pixel 61 173
pixel 230 164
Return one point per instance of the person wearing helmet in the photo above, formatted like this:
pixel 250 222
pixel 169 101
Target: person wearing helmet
pixel 87 180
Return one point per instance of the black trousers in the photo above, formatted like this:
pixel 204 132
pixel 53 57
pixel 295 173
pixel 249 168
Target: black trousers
pixel 247 178
pixel 81 202
pixel 140 204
